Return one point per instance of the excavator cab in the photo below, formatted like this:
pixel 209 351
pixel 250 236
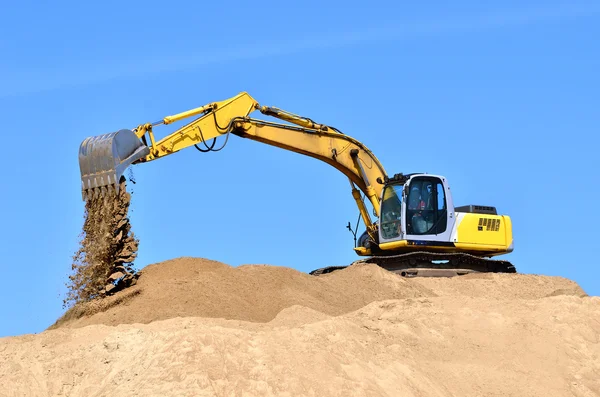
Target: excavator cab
pixel 421 233
pixel 415 207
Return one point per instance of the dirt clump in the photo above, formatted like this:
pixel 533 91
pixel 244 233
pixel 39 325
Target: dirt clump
pixel 103 264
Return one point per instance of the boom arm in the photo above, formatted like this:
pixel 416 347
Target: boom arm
pixel 306 137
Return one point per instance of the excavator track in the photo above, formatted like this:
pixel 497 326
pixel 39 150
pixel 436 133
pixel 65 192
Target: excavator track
pixel 431 264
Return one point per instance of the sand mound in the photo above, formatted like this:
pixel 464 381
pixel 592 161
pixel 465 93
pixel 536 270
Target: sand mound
pixel 193 287
pixel 417 346
pixel 263 330
pixel 296 316
pixel 502 286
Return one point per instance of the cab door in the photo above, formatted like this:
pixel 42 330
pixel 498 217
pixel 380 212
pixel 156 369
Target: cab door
pixel 429 209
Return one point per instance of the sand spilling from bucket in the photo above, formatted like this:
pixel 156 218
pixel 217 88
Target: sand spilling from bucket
pixel 103 264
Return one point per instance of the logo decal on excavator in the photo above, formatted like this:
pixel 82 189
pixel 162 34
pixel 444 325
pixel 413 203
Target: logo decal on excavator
pixel 489 224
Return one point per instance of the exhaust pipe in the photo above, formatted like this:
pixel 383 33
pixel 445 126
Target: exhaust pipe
pixel 104 158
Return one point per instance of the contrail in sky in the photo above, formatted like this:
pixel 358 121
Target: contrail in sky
pixel 43 80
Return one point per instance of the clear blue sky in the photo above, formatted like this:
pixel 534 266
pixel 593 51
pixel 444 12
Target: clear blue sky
pixel 503 100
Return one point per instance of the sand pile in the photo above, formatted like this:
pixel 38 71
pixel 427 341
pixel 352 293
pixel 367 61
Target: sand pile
pixel 272 331
pixel 498 286
pixel 194 287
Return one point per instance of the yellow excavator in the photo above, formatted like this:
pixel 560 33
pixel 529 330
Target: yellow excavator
pixel 417 230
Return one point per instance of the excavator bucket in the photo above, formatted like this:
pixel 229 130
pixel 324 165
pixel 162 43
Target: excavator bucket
pixel 104 158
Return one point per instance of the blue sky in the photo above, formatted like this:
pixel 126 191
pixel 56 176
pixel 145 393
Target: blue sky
pixel 501 99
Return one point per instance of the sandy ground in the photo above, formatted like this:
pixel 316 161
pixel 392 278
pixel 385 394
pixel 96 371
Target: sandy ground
pixel 193 327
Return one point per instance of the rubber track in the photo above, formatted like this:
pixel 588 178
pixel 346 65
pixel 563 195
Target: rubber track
pixel 424 260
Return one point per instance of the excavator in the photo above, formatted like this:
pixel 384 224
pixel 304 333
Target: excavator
pixel 416 230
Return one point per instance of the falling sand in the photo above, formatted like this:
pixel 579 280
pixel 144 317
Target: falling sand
pixel 104 262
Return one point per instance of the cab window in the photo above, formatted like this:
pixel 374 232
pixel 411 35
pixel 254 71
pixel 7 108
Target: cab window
pixel 426 207
pixel 391 209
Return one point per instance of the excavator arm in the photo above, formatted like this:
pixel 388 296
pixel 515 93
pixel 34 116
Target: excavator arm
pixel 103 159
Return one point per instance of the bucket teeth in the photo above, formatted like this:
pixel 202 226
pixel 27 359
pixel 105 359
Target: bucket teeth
pixel 100 192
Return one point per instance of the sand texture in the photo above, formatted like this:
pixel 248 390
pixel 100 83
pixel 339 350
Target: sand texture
pixel 195 327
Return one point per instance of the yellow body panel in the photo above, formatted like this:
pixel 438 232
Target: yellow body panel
pixel 478 234
pixel 483 232
pixel 362 251
pixel 394 245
